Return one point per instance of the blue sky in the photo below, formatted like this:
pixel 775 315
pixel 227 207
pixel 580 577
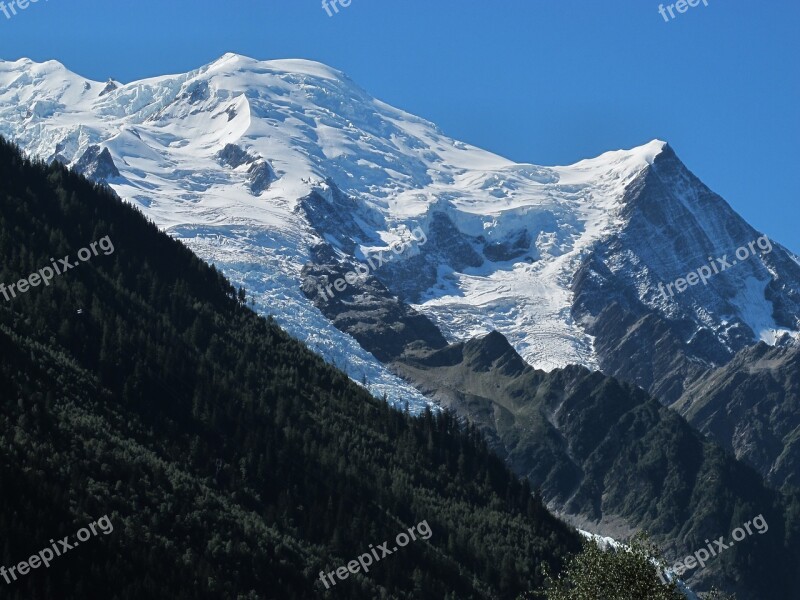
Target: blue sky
pixel 548 82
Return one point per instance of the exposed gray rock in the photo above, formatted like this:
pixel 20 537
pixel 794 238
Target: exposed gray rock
pixel 333 218
pixel 673 224
pixel 446 245
pixel 751 406
pixel 97 164
pixel 111 85
pixel 515 247
pixel 197 92
pixel 234 156
pixel 365 309
pixel 260 174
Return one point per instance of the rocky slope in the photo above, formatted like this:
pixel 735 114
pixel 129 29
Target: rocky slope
pixel 751 406
pixel 566 262
pixel 611 459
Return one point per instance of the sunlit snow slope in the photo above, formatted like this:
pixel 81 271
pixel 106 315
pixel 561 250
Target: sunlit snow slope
pixel 220 157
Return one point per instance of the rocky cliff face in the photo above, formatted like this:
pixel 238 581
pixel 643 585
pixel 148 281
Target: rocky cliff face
pixel 751 406
pixel 604 454
pixel 255 164
pixel 646 330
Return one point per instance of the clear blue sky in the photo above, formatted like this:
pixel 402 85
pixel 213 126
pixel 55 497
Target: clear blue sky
pixel 543 81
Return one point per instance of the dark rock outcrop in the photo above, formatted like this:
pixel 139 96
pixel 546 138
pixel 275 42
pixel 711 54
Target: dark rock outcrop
pixel 96 164
pixel 260 174
pixel 751 406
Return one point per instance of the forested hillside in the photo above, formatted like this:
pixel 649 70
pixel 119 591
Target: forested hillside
pixel 232 462
pixel 614 460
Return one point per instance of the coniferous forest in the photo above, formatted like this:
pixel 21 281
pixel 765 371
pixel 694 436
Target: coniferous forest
pixel 232 462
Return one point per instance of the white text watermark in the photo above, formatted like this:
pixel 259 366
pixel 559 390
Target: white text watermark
pixel 375 261
pixel 45 556
pixel 365 560
pixel 681 6
pixel 702 556
pixel 46 274
pixel 10 9
pixel 715 266
pixel 332 6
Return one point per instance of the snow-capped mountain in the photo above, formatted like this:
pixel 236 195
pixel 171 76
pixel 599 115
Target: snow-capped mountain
pixel 565 261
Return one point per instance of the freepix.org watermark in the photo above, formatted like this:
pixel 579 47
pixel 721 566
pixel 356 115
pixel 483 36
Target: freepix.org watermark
pixel 9 9
pixel 46 556
pixel 681 6
pixel 332 6
pixel 46 274
pixel 702 556
pixel 365 560
pixel 376 261
pixel 715 266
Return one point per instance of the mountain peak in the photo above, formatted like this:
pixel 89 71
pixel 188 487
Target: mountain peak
pixel 44 67
pixel 654 146
pixel 493 349
pixel 643 155
pixel 233 56
pixel 232 61
pixel 513 234
pixel 20 61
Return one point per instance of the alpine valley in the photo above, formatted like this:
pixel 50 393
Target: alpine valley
pixel 531 306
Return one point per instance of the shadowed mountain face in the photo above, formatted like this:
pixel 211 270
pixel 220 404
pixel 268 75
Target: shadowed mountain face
pixel 662 339
pixel 365 309
pixel 751 407
pixel 231 461
pixel 603 453
pixel 612 459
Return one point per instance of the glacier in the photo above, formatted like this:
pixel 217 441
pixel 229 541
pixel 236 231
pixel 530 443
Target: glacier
pixel 186 147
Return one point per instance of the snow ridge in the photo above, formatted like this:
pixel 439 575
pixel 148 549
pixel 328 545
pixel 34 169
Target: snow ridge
pixel 309 125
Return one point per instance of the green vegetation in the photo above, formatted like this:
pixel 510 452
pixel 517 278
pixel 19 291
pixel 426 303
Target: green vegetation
pixel 605 450
pixel 232 461
pixel 630 573
pixel 613 574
